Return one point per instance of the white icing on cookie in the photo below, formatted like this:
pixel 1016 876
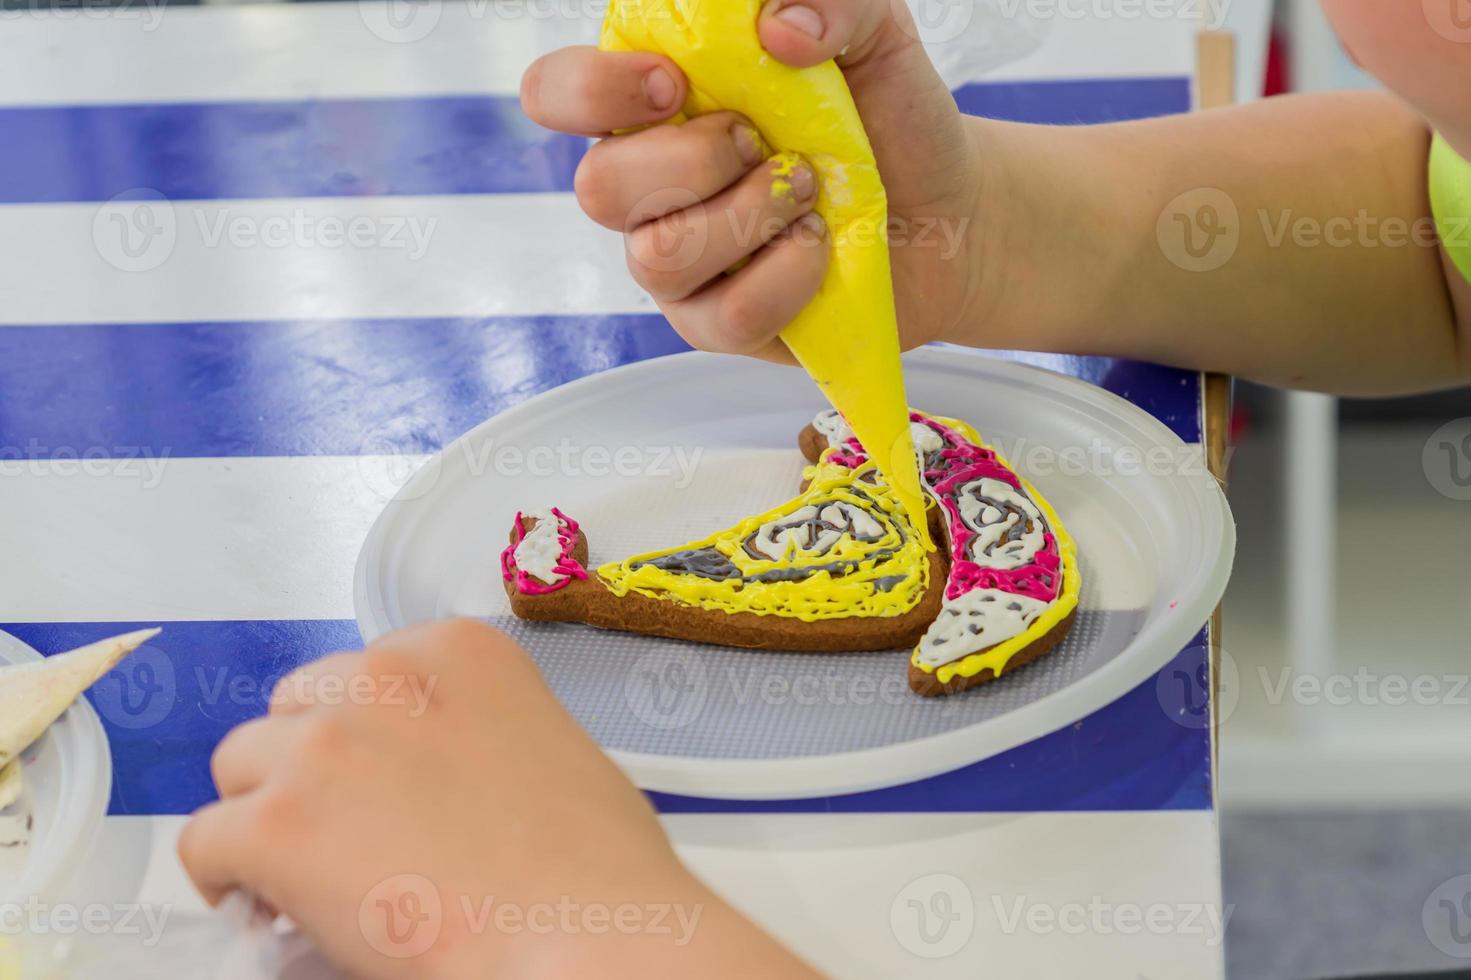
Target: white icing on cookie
pixel 834 426
pixel 976 620
pixel 992 525
pixel 775 539
pixel 811 531
pixel 860 522
pixel 926 440
pixel 537 554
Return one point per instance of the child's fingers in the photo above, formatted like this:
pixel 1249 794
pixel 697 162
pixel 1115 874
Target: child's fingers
pixel 625 181
pixel 306 685
pixel 592 93
pixel 247 754
pixel 215 849
pixel 676 255
pixel 744 312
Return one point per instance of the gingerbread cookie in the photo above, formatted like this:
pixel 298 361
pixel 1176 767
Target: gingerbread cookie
pixel 839 567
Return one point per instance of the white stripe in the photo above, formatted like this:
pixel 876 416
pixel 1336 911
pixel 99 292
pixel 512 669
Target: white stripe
pixel 155 540
pixel 1099 894
pixel 347 50
pixel 148 53
pixel 507 254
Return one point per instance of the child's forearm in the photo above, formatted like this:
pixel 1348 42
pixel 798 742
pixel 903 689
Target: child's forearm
pixel 1122 240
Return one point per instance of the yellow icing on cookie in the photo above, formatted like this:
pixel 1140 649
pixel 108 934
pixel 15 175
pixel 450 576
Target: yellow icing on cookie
pixel 885 575
pixel 847 338
pixel 998 656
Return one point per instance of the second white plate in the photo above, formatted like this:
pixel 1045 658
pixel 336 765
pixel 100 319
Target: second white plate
pixel 68 778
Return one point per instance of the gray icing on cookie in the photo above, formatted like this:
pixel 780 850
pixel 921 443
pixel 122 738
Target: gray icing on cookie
pixel 887 583
pixel 702 562
pixel 814 528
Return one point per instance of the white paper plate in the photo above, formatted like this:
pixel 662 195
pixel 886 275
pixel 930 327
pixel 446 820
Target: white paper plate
pixel 614 451
pixel 68 776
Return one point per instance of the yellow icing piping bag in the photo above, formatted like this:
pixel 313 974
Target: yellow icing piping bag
pixel 847 338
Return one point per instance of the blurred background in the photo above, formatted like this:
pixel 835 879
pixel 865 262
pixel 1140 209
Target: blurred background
pixel 1345 714
pixel 1345 747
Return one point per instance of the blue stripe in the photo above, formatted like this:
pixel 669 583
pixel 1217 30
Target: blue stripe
pixel 357 147
pixel 167 707
pixel 296 388
pixel 345 148
pixel 1169 394
pixel 345 387
pixel 1077 101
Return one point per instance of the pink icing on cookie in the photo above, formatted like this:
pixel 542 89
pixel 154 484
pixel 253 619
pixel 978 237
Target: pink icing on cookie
pixel 964 462
pixel 1039 580
pixel 851 455
pixel 566 565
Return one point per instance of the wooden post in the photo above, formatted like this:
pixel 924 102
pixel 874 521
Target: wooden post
pixel 1215 86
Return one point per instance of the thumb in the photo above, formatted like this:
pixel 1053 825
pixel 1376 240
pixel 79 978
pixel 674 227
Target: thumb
pixel 907 109
pixel 803 33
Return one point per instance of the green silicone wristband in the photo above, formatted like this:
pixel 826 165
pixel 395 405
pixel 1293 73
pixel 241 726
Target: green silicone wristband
pixel 1450 201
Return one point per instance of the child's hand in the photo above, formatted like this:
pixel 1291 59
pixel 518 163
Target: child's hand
pixel 426 809
pixel 924 153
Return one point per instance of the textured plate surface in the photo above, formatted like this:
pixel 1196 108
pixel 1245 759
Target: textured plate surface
pixel 668 450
